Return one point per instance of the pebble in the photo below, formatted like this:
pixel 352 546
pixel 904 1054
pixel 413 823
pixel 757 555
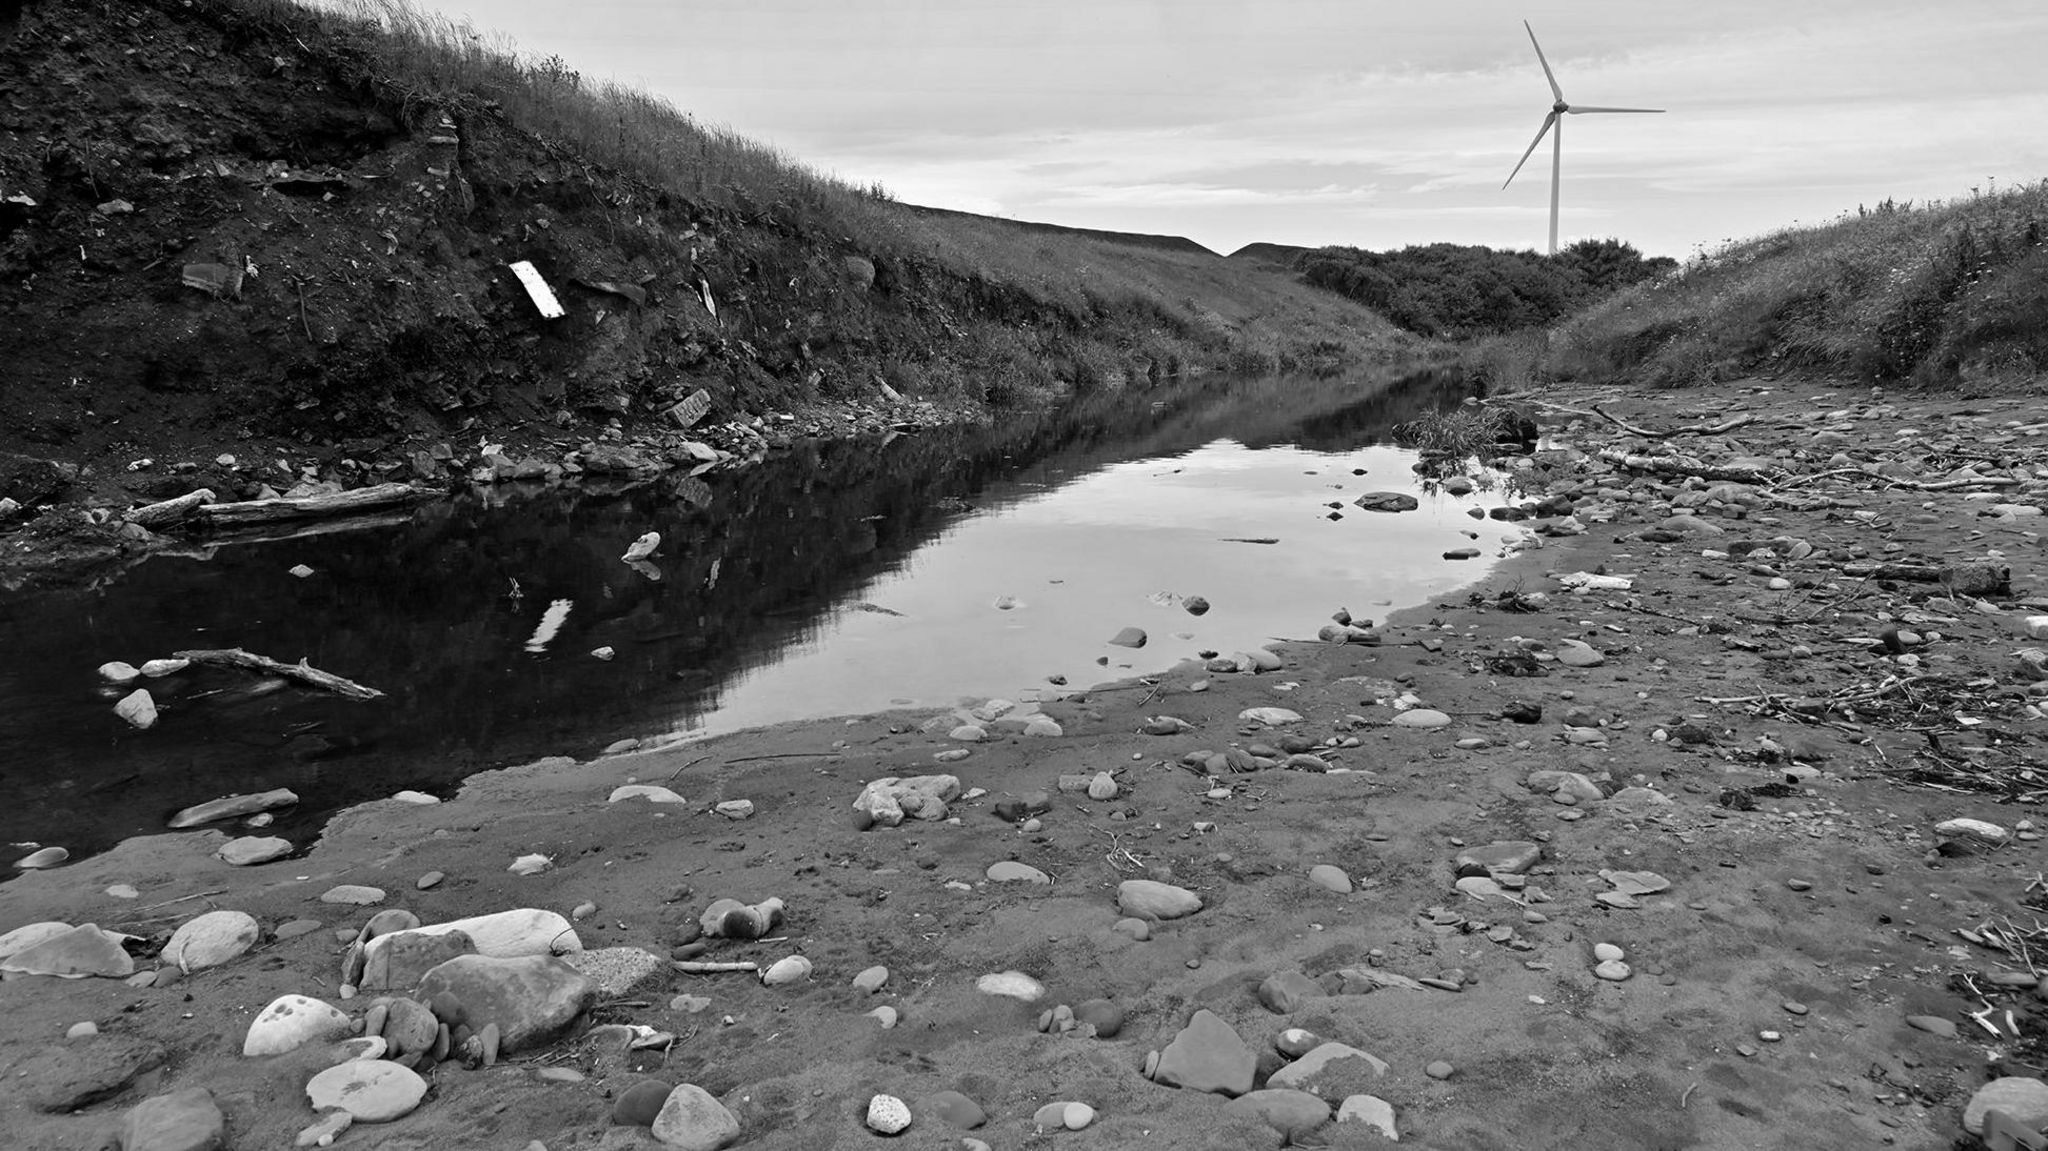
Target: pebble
pixel 788 969
pixel 429 881
pixel 1137 929
pixel 691 1117
pixel 210 940
pixel 1063 1115
pixel 291 1022
pixel 1150 899
pixel 82 1030
pixel 1933 1025
pixel 1608 951
pixel 1330 877
pixel 1613 970
pixel 1439 1070
pixel 1799 884
pixel 888 1115
pixel 884 1015
pixel 956 1110
pixel 872 979
pixel 325 1130
pixel 353 893
pixel 123 891
pixel 1011 871
pixel 249 850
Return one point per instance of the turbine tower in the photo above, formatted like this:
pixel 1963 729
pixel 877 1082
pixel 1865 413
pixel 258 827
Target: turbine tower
pixel 1553 124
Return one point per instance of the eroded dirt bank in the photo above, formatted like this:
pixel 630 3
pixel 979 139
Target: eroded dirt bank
pixel 1755 767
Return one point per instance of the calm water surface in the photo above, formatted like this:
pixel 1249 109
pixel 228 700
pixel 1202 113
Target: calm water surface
pixel 761 605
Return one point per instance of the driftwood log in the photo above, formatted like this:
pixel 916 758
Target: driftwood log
pixel 306 507
pixel 1685 466
pixel 249 661
pixel 170 511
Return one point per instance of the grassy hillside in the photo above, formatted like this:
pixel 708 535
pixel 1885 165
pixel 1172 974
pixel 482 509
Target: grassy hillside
pixel 235 219
pixel 1937 294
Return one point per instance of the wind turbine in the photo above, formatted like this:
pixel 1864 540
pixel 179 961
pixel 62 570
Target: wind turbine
pixel 1555 126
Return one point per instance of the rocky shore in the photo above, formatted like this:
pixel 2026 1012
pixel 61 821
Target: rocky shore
pixel 1707 820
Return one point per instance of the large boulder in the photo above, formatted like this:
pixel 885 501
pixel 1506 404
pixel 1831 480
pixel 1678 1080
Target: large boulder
pixel 532 999
pixel 502 934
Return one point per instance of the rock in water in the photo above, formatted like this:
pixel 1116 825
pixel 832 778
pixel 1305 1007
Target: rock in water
pixel 76 953
pixel 1292 1113
pixel 187 1120
pixel 531 999
pixel 211 940
pixel 370 1090
pixel 43 858
pixel 1129 637
pixel 643 547
pixel 115 671
pixel 138 709
pixel 694 1121
pixel 652 793
pixel 227 807
pixel 1387 502
pixel 291 1022
pixel 1207 1055
pixel 1150 899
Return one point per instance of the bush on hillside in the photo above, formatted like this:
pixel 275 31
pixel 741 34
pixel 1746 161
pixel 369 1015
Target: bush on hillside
pixel 1459 291
pixel 1934 294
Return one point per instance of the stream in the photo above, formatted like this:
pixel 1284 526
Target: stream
pixel 918 570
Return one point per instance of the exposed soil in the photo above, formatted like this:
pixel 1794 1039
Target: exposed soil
pixel 1774 753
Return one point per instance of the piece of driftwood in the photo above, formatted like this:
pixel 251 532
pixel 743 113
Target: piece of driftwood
pixel 307 507
pixel 1724 426
pixel 249 661
pixel 1680 465
pixel 714 967
pixel 170 511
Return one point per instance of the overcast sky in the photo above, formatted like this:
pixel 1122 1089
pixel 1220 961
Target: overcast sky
pixel 1374 123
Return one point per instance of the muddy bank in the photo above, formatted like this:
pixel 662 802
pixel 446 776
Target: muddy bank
pixel 1664 864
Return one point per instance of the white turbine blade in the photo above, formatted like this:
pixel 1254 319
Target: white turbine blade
pixel 1547 122
pixel 1575 110
pixel 1555 91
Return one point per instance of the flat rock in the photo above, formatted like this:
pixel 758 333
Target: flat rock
pixel 652 793
pixel 1129 637
pixel 1577 653
pixel 66 1076
pixel 186 1120
pixel 28 935
pixel 1387 502
pixel 291 1022
pixel 370 1090
pixel 1270 716
pixel 248 850
pixel 1011 985
pixel 1011 871
pixel 230 806
pixel 1285 992
pixel 211 939
pixel 694 1121
pixel 2020 1096
pixel 1151 899
pixel 1636 882
pixel 76 953
pixel 1502 857
pixel 1327 1061
pixel 619 971
pixel 1292 1113
pixel 353 894
pixel 1933 1025
pixel 1207 1055
pixel 532 999
pixel 1427 718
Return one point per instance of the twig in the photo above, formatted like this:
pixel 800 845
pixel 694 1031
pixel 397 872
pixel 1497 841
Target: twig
pixel 183 898
pixel 686 767
pixel 783 755
pixel 1683 1099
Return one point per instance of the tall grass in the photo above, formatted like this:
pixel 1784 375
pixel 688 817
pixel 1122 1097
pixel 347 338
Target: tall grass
pixel 1939 293
pixel 1185 307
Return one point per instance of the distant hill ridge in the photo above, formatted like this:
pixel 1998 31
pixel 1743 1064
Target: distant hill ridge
pixel 1130 239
